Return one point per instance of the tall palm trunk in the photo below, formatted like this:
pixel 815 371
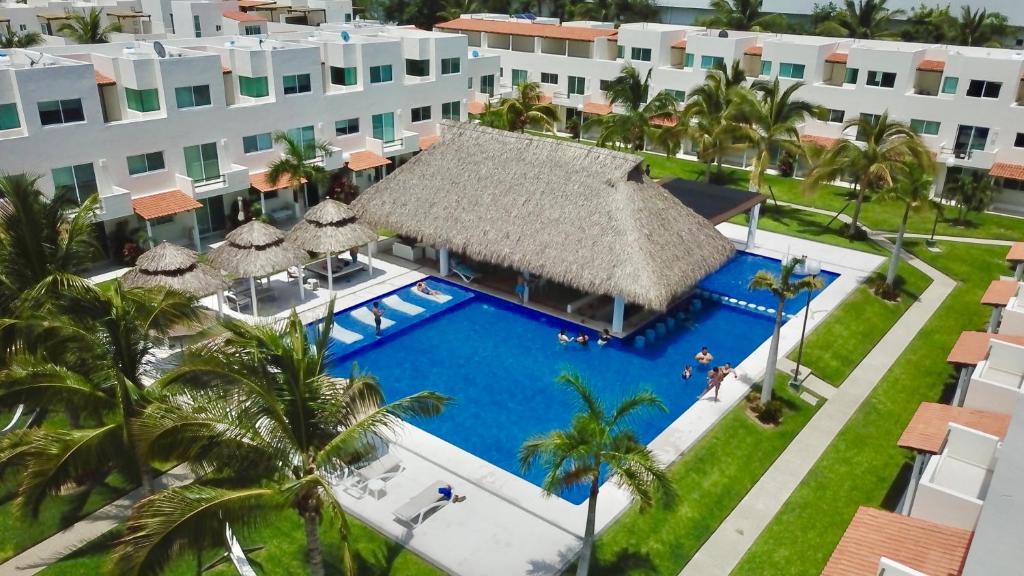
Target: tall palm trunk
pixel 588 534
pixel 347 563
pixel 890 277
pixel 856 211
pixel 773 355
pixel 314 552
pixel 707 171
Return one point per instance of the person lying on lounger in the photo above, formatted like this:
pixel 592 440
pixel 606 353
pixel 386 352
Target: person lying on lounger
pixel 424 289
pixel 447 494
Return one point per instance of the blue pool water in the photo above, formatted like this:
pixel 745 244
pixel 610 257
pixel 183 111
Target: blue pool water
pixel 499 361
pixel 733 279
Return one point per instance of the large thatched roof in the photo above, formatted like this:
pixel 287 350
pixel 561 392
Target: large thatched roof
pixel 174 267
pixel 579 215
pixel 330 226
pixel 255 249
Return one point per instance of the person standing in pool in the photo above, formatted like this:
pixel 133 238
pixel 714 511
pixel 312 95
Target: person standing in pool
pixel 521 288
pixel 687 372
pixel 378 316
pixel 606 337
pixel 704 357
pixel 563 338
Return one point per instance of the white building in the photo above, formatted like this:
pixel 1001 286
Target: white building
pixel 968 103
pixel 152 135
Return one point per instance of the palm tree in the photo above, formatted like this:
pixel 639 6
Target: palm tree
pixel 99 359
pixel 87 27
pixel 868 19
pixel 743 15
pixel 972 191
pixel 526 109
pixel 10 38
pixel 783 287
pixel 770 119
pixel 979 27
pixel 631 127
pixel 710 113
pixel 670 138
pixel 294 165
pixel 913 188
pixel 261 421
pixel 452 9
pixel 597 438
pixel 885 145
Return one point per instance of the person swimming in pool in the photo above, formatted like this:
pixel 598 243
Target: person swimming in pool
pixel 606 337
pixel 704 357
pixel 582 339
pixel 687 372
pixel 563 338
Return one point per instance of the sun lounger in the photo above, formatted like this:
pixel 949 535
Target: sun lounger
pixel 236 554
pixel 436 297
pixel 366 317
pixel 14 419
pixel 402 306
pixel 382 469
pixel 344 335
pixel 465 272
pixel 420 506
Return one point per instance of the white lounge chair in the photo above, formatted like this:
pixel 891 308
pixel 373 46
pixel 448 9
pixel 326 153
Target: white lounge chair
pixel 382 469
pixel 416 510
pixel 366 317
pixel 344 335
pixel 435 297
pixel 236 554
pixel 402 306
pixel 14 419
pixel 465 272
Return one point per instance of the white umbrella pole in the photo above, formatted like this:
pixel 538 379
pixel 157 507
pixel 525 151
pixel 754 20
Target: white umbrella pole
pixel 220 302
pixel 369 255
pixel 252 293
pixel 302 289
pixel 330 275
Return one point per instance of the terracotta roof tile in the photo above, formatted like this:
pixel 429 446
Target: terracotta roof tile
pixel 364 160
pixel 225 70
pixel 476 107
pixel 523 29
pixel 837 57
pixel 823 141
pixel 928 428
pixel 428 141
pixel 754 51
pixel 1007 170
pixel 670 121
pixel 103 80
pixel 252 3
pixel 999 292
pixel 260 182
pixel 544 99
pixel 243 16
pixel 972 347
pixel 1016 252
pixel 680 44
pixel 931 548
pixel 931 65
pixel 164 204
pixel 597 109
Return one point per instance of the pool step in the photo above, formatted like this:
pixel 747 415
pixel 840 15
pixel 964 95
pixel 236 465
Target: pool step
pixel 737 303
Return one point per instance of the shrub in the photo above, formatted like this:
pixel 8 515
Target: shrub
pixel 770 412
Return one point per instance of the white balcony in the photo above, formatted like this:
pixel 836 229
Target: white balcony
pixel 966 158
pixel 1012 322
pixel 996 382
pixel 955 482
pixel 116 204
pixel 570 100
pixel 887 567
pixel 234 178
pixel 404 142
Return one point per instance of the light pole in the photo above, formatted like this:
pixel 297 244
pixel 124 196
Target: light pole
pixel 950 163
pixel 579 122
pixel 812 268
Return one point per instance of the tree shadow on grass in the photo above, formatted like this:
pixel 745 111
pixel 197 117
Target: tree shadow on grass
pixel 632 562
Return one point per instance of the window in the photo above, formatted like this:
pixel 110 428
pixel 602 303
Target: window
pixel 548 78
pixel 346 127
pixel 305 137
pixel 348 17
pixel 519 76
pixel 143 163
pixel 620 51
pixel 949 84
pixel 487 84
pixel 469 83
pixel 257 87
pixel 577 84
pixel 421 114
pixel 347 76
pixel 709 62
pixel 1018 142
pixel 766 67
pixel 142 100
pixel 9 116
pixel 868 118
pixel 787 70
pixel 196 26
pixel 679 95
pixel 688 60
pixel 257 143
pixel 418 68
pixel 61 112
pixel 984 89
pixel 881 79
pixel 451 65
pixel 851 76
pixel 379 74
pixel 641 54
pixel 192 96
pixel 451 110
pixel 832 115
pixel 603 85
pixel 969 138
pixel 201 164
pixel 925 127
pixel 297 84
pixel 384 127
pixel 253 30
pixel 77 181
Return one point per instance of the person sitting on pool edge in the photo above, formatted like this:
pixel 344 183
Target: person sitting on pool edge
pixel 704 357
pixel 447 494
pixel 422 288
pixel 563 338
pixel 583 339
pixel 606 337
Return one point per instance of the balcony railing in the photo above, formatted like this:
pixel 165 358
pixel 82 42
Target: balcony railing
pixel 234 178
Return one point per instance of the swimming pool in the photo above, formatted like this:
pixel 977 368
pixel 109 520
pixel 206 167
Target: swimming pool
pixel 499 360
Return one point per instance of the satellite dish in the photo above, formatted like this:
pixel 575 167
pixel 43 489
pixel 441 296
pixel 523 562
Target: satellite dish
pixel 475 54
pixel 345 36
pixel 159 49
pixel 723 33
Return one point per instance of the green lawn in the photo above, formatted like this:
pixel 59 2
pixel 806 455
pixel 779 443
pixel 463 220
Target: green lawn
pixel 284 553
pixel 711 478
pixel 804 224
pixel 863 466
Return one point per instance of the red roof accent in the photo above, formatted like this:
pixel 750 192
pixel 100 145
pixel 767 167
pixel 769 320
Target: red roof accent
pixel 428 141
pixel 164 204
pixel 261 182
pixel 680 44
pixel 659 121
pixel 754 51
pixel 225 70
pixel 934 549
pixel 103 79
pixel 1007 170
pixel 999 292
pixel 823 141
pixel 476 107
pixel 931 65
pixel 522 29
pixel 597 109
pixel 837 57
pixel 972 347
pixel 253 3
pixel 1016 253
pixel 364 160
pixel 243 16
pixel 927 429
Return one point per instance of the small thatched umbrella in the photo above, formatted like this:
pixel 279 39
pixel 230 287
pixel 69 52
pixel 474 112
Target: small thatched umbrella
pixel 331 227
pixel 175 267
pixel 255 249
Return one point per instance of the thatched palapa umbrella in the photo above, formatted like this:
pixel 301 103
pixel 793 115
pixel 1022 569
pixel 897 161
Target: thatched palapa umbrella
pixel 328 228
pixel 175 267
pixel 255 249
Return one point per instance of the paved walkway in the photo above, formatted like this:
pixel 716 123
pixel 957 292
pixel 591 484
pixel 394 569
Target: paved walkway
pixel 38 557
pixel 726 547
